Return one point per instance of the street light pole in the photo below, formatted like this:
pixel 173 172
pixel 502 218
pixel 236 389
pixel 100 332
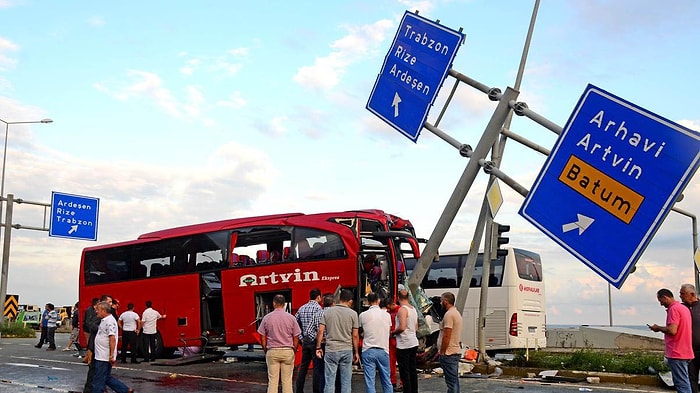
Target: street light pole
pixel 7 225
pixel 4 151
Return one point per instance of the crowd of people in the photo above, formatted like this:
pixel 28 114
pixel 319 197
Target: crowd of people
pixel 100 324
pixel 329 336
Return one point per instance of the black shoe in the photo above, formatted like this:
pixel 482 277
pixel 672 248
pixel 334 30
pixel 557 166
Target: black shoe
pixel 135 362
pixel 37 346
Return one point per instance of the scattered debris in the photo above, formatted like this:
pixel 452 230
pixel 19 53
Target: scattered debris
pixel 551 376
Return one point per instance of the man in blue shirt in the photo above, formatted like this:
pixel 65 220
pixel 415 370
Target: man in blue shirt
pixel 48 327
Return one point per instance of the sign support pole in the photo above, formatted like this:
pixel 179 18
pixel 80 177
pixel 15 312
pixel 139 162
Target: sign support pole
pixel 695 241
pixel 6 250
pixel 465 182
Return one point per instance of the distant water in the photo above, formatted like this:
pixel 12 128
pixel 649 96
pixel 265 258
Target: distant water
pixel 563 326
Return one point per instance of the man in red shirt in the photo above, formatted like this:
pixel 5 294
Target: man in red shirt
pixel 678 336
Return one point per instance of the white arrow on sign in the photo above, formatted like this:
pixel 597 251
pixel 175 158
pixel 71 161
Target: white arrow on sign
pixel 582 224
pixel 73 228
pixel 395 104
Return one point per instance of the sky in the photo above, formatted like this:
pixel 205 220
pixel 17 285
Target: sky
pixel 174 113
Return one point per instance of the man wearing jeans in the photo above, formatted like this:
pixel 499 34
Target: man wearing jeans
pixel 342 342
pixel 678 335
pixel 376 325
pixel 450 349
pixel 106 352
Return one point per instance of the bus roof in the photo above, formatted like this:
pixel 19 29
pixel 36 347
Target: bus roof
pixel 273 219
pixel 213 226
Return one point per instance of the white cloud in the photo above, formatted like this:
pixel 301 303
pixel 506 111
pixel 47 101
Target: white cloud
pixel 239 52
pixel 327 71
pixel 96 21
pixel 190 66
pixel 228 64
pixel 234 101
pixel 149 86
pixel 424 6
pixel 7 62
pixel 692 124
pixel 195 99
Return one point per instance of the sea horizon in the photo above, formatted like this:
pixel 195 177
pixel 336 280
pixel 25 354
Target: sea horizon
pixel 565 325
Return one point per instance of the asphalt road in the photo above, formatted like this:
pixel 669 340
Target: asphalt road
pixel 24 368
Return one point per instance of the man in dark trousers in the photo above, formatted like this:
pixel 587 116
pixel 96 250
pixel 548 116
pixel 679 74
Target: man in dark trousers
pixel 91 343
pixel 689 297
pixel 44 327
pixel 90 322
pixel 309 316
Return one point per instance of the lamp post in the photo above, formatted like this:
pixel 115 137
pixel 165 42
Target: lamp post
pixel 5 260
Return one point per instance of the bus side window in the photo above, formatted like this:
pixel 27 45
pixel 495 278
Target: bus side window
pixel 140 271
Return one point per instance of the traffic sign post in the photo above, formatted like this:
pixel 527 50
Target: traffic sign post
pixel 613 176
pixel 74 216
pixel 413 72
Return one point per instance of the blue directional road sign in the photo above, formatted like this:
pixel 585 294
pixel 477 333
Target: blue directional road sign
pixel 413 72
pixel 74 216
pixel 611 179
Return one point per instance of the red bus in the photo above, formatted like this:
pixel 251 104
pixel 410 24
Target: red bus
pixel 215 281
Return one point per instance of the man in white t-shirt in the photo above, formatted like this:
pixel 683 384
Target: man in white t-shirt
pixel 149 320
pixel 376 325
pixel 106 352
pixel 130 323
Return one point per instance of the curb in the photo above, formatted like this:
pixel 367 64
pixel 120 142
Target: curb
pixel 623 379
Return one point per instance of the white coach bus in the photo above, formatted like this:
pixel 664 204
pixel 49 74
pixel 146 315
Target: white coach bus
pixel 515 314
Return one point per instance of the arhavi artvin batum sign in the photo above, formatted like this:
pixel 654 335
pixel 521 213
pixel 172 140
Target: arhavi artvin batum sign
pixel 613 176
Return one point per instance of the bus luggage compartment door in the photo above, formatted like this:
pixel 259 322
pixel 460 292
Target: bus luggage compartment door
pixel 212 308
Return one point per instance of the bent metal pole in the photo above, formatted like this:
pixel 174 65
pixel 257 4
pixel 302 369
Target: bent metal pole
pixel 465 182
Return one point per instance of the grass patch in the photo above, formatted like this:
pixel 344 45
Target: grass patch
pixel 640 363
pixel 16 330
